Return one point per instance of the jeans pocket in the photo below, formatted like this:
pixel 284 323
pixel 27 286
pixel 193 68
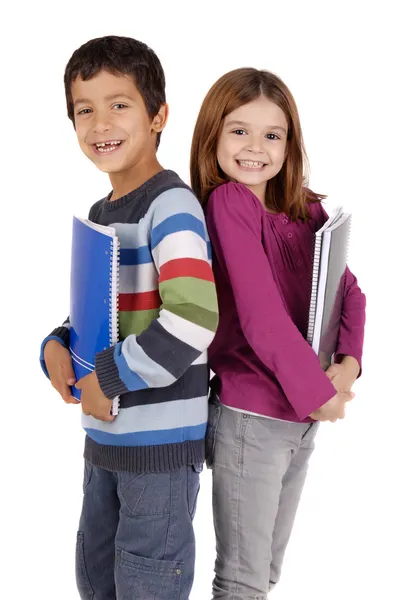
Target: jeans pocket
pixel 147 578
pixel 83 584
pixel 88 470
pixel 212 424
pixel 193 487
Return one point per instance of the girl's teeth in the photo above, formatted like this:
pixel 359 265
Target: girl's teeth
pixel 250 164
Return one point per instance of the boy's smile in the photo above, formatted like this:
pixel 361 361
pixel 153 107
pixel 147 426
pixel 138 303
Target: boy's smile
pixel 107 147
pixel 114 128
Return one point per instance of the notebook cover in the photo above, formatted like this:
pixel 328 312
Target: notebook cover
pixel 89 297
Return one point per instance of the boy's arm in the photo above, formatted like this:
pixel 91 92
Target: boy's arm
pixel 188 315
pixel 61 335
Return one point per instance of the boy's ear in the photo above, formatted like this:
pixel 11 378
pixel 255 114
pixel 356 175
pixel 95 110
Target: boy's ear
pixel 160 120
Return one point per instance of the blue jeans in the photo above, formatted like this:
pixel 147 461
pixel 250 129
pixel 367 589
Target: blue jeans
pixel 135 538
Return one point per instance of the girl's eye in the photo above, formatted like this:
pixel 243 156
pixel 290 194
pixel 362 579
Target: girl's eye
pixel 239 132
pixel 119 105
pixel 272 136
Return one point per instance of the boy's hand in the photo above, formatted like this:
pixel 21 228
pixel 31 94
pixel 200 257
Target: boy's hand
pixel 344 375
pixel 93 401
pixel 59 366
pixel 333 409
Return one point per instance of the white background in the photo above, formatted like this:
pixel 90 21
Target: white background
pixel 340 61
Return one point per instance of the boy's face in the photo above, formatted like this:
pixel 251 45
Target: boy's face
pixel 112 124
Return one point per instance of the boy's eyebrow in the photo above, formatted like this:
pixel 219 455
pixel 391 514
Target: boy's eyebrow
pixel 108 98
pixel 243 124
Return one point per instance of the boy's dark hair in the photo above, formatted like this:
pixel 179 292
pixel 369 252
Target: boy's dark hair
pixel 119 55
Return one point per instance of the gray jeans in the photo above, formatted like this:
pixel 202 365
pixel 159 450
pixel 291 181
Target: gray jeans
pixel 259 469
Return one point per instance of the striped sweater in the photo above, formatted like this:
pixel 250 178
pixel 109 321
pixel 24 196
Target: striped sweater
pixel 168 317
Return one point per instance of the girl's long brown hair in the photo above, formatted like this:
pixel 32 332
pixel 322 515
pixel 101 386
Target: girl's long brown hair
pixel 286 192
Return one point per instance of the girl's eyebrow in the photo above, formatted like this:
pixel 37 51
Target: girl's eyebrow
pixel 243 124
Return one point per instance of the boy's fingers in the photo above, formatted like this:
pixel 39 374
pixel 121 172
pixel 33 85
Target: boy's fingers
pixel 108 418
pixel 68 372
pixel 65 392
pixel 71 400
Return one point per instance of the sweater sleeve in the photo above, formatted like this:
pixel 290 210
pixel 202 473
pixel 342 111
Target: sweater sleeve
pixel 234 224
pixel 352 326
pixel 188 315
pixel 60 334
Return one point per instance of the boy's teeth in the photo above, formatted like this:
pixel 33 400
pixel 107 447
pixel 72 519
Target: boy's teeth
pixel 108 146
pixel 250 164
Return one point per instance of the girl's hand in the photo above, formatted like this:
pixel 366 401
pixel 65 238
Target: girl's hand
pixel 344 375
pixel 333 409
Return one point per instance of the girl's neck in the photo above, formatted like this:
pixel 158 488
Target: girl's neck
pixel 260 193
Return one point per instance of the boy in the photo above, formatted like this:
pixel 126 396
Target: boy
pixel 135 537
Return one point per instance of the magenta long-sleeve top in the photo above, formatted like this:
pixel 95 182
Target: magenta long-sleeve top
pixel 262 264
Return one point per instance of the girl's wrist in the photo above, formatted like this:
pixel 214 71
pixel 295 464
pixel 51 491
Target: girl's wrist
pixel 351 364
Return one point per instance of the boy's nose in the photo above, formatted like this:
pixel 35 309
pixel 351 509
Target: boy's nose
pixel 101 127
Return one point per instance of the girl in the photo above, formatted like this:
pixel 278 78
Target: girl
pixel 247 167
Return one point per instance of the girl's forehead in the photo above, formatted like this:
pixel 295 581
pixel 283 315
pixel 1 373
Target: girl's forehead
pixel 262 111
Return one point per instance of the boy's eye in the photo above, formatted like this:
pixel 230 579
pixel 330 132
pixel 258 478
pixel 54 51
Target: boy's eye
pixel 119 105
pixel 84 111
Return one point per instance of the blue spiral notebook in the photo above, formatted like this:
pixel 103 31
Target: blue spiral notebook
pixel 93 296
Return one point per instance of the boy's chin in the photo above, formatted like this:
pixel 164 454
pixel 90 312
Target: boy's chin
pixel 107 166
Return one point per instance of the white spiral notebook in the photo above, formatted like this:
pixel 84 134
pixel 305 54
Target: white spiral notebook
pixel 93 296
pixel 328 285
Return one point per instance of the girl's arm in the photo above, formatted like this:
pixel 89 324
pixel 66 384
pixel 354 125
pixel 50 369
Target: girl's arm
pixel 352 326
pixel 234 223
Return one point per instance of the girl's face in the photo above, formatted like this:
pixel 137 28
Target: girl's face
pixel 252 145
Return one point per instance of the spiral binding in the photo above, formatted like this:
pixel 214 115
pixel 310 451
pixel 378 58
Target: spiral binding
pixel 315 282
pixel 114 281
pixel 349 235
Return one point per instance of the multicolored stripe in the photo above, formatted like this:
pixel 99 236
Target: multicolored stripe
pixel 168 315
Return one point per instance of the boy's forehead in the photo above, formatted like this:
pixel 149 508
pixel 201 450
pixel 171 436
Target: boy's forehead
pixel 103 85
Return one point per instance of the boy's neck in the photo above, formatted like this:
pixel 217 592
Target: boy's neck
pixel 125 182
